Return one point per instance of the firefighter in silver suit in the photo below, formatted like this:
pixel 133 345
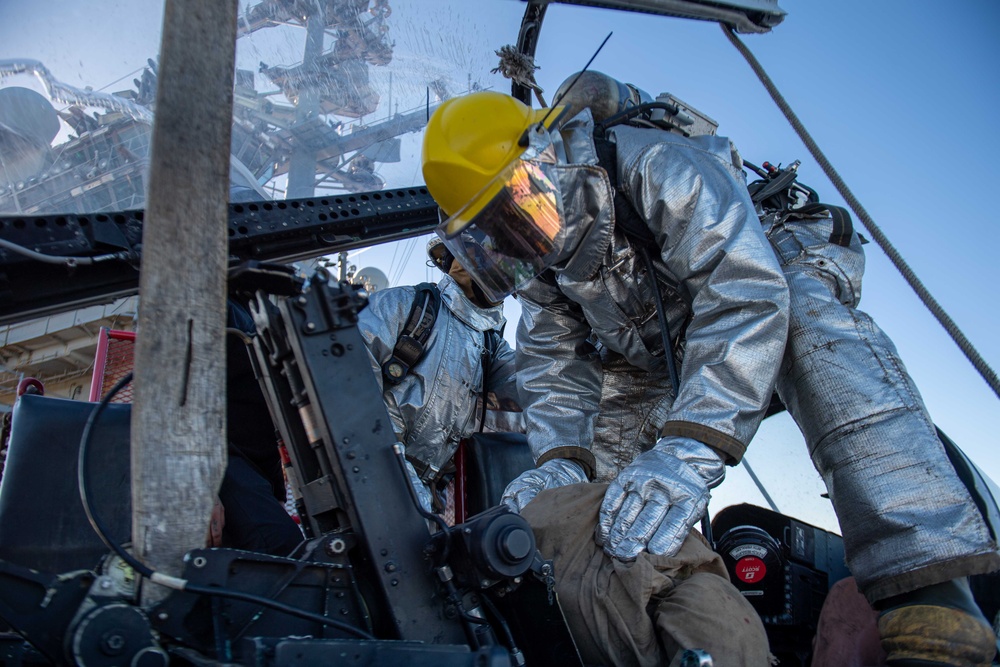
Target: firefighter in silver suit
pixel 526 207
pixel 434 405
pixel 912 532
pixel 533 201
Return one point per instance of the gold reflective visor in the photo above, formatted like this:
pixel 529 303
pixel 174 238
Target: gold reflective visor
pixel 515 234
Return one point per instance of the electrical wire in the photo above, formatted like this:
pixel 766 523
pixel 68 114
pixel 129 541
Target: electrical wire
pixel 492 608
pixel 430 516
pixel 668 348
pixel 175 583
pixel 68 260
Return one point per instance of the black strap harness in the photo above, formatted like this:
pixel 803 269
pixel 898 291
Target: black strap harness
pixel 773 194
pixel 410 345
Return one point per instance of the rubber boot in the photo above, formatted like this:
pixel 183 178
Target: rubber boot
pixel 936 626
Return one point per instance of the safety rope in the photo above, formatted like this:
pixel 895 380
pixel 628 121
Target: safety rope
pixel 987 373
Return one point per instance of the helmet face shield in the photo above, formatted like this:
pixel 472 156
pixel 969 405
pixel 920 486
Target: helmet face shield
pixel 515 235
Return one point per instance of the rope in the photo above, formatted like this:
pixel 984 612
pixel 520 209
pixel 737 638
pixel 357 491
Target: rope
pixel 987 373
pixel 519 68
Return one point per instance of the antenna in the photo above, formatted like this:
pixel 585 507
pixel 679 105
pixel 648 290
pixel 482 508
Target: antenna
pixel 555 103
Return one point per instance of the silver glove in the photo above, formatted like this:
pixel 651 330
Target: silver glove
pixel 550 475
pixel 653 503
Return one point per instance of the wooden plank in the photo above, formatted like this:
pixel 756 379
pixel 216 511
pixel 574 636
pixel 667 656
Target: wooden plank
pixel 178 420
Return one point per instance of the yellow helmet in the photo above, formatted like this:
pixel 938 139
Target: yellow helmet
pixel 469 140
pixel 488 163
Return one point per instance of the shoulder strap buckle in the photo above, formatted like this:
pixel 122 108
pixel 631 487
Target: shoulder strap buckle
pixel 410 345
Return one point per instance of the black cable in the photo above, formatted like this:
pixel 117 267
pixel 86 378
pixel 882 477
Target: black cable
pixel 755 169
pixel 456 600
pixel 174 582
pixel 83 484
pixel 492 608
pixel 430 516
pixel 555 103
pixel 277 606
pixel 67 260
pixel 668 348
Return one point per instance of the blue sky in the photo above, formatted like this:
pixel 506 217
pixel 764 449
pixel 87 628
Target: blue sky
pixel 900 94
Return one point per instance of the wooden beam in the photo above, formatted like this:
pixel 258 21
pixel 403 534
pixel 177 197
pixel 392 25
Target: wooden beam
pixel 178 418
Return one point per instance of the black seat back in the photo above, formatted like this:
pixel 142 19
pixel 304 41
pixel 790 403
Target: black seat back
pixel 493 461
pixel 42 522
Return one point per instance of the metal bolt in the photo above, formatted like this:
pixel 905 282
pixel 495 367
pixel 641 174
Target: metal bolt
pixel 310 326
pixel 394 582
pixel 336 546
pixel 390 567
pixel 112 643
pixel 163 616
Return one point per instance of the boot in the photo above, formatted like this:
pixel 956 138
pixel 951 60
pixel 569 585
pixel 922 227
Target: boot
pixel 936 626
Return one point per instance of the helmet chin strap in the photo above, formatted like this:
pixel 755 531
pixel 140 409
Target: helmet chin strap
pixel 469 286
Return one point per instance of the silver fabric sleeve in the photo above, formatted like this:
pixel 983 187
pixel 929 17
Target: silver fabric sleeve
pixel 712 243
pixel 559 384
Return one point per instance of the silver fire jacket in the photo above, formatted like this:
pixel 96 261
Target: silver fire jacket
pixel 434 407
pixel 907 519
pixel 725 296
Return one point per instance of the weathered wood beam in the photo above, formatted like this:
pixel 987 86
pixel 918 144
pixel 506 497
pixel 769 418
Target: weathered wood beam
pixel 178 418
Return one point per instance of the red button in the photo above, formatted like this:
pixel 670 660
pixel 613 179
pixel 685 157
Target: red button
pixel 750 569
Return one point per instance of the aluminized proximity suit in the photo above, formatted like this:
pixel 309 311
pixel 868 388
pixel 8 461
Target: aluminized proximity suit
pixel 725 298
pixel 907 519
pixel 434 407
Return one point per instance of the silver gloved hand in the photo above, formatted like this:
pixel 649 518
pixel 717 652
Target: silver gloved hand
pixel 550 475
pixel 654 502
